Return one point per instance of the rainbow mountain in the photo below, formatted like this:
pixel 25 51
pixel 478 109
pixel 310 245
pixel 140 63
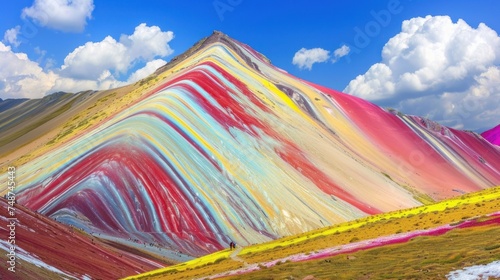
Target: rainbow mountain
pixel 219 145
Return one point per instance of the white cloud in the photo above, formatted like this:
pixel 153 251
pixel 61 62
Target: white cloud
pixel 105 81
pixel 92 59
pixel 305 58
pixel 446 71
pixel 40 52
pixel 72 85
pixel 146 70
pixel 4 48
pixel 10 36
pixel 91 66
pixel 340 52
pixel 147 42
pixel 21 77
pixel 64 15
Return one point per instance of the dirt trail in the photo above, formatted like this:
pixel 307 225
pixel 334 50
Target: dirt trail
pixel 234 256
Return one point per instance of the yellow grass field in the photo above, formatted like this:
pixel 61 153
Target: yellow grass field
pixel 421 258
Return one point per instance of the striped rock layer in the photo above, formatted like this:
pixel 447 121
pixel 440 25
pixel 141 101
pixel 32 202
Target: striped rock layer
pixel 227 147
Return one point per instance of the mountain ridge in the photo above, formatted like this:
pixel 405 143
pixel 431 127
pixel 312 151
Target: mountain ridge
pixel 492 135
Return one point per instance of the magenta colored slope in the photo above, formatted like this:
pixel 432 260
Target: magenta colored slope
pixel 409 151
pixel 492 135
pixel 476 152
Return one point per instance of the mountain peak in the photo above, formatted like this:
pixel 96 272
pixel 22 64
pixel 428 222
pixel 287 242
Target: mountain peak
pixel 215 37
pixel 218 33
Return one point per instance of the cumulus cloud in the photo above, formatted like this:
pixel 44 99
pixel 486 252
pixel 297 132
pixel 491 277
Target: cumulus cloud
pixel 147 42
pixel 305 58
pixel 10 36
pixel 92 59
pixel 340 52
pixel 146 70
pixel 21 77
pixel 95 65
pixel 449 72
pixel 63 15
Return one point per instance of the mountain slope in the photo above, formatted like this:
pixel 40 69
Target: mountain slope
pixel 20 118
pixel 424 242
pixel 9 103
pixel 46 249
pixel 492 135
pixel 221 145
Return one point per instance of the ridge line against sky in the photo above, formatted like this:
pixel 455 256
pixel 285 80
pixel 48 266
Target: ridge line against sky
pixel 435 60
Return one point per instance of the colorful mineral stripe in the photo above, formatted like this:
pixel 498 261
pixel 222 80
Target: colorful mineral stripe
pixel 226 147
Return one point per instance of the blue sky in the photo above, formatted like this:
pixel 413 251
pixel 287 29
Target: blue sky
pixel 62 45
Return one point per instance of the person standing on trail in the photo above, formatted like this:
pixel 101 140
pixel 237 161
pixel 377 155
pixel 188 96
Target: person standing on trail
pixel 231 245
